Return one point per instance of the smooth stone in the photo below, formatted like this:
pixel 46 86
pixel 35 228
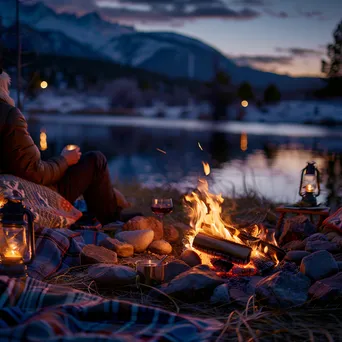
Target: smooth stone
pixel 122 249
pixel 113 227
pixel 339 264
pixel 283 290
pixel 221 295
pixel 319 245
pixel 319 265
pixel 193 285
pixel 160 247
pixel 171 234
pixel 328 290
pixel 242 288
pixel 139 239
pixel 338 241
pixel 296 245
pixel 191 258
pixel 145 223
pixel 332 235
pixel 316 237
pixel 92 254
pixel 296 256
pixel 112 274
pixel 285 265
pixel 174 268
pixel 297 228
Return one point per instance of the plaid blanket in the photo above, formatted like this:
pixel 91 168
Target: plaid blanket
pixel 58 249
pixel 33 311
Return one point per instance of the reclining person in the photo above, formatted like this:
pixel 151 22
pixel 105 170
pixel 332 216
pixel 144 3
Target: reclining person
pixel 71 174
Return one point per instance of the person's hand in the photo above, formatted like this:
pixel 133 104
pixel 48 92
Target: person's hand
pixel 72 157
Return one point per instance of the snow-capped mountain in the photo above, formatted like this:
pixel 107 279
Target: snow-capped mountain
pixel 89 29
pixel 48 42
pixel 167 53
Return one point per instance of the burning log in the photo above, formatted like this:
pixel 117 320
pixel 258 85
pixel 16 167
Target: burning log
pixel 280 253
pixel 226 249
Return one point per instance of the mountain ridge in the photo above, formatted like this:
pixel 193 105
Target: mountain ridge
pixel 164 52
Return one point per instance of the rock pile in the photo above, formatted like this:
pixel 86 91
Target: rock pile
pixel 310 272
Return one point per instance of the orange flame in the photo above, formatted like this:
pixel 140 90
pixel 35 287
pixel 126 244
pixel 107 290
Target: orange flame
pixel 206 168
pixel 205 213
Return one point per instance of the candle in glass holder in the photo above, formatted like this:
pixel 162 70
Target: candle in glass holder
pixel 151 272
pixel 71 147
pixel 12 255
pixel 309 188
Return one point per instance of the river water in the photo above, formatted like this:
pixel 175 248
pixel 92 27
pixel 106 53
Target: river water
pixel 266 158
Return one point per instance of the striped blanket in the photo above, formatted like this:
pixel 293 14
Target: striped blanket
pixel 32 311
pixel 58 249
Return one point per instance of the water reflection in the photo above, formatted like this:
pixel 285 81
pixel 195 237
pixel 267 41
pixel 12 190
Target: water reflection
pixel 241 161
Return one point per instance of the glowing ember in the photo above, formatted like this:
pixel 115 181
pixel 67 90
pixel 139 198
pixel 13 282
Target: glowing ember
pixel 206 168
pixel 205 211
pixel 161 151
pixel 199 145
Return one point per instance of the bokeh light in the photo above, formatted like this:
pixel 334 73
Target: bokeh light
pixel 43 84
pixel 244 103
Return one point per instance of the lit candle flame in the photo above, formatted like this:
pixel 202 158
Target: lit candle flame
pixel 309 188
pixel 71 147
pixel 12 253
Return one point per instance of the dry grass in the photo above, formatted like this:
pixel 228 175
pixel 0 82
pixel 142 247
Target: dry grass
pixel 251 323
pixel 248 209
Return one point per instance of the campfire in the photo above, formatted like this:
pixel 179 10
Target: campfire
pixel 221 245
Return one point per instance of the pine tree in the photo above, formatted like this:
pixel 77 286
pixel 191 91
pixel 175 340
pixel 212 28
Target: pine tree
pixel 333 68
pixel 272 94
pixel 245 92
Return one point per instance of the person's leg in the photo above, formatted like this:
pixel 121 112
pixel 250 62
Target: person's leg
pixel 90 178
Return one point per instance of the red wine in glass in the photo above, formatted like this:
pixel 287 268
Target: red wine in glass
pixel 159 210
pixel 161 207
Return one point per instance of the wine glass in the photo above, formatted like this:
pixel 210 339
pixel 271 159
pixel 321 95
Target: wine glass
pixel 162 207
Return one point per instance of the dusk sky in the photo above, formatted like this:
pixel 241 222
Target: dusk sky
pixel 283 36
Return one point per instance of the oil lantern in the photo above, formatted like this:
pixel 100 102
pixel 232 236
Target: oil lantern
pixel 309 187
pixel 17 242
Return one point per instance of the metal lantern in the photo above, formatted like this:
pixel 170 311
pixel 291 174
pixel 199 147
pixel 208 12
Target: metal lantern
pixel 309 187
pixel 17 241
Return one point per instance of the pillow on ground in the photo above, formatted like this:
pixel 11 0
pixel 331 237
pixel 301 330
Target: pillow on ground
pixel 50 209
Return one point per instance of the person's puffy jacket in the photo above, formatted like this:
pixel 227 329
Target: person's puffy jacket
pixel 19 155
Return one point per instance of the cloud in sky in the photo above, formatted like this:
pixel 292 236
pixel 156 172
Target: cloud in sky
pixel 159 10
pixel 250 2
pixel 300 52
pixel 252 60
pixel 171 11
pixel 293 58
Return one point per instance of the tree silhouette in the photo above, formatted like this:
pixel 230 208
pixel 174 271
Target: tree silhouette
pixel 272 94
pixel 245 92
pixel 221 94
pixel 333 68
